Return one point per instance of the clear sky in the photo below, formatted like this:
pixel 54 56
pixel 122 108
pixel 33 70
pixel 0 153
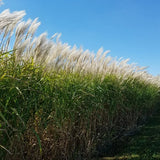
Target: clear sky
pixel 129 28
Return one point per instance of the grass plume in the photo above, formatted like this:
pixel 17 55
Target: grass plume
pixel 60 102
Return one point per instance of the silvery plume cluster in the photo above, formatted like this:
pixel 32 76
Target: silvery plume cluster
pixel 56 56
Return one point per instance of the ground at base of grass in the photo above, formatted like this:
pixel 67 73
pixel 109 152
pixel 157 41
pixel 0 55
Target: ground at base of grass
pixel 145 145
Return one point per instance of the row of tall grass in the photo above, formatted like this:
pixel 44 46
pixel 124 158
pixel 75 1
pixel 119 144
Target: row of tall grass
pixel 58 102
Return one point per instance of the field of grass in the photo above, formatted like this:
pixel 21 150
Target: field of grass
pixel 144 145
pixel 62 103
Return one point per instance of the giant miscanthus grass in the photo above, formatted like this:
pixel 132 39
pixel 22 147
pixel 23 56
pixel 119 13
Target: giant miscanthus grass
pixel 58 56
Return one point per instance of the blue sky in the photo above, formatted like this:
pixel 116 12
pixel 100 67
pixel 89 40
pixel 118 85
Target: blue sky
pixel 129 28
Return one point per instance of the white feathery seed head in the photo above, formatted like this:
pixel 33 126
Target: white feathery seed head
pixel 57 56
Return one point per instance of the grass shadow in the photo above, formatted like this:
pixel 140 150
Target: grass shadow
pixel 145 145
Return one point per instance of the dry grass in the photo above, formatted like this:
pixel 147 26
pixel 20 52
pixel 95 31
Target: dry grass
pixel 56 56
